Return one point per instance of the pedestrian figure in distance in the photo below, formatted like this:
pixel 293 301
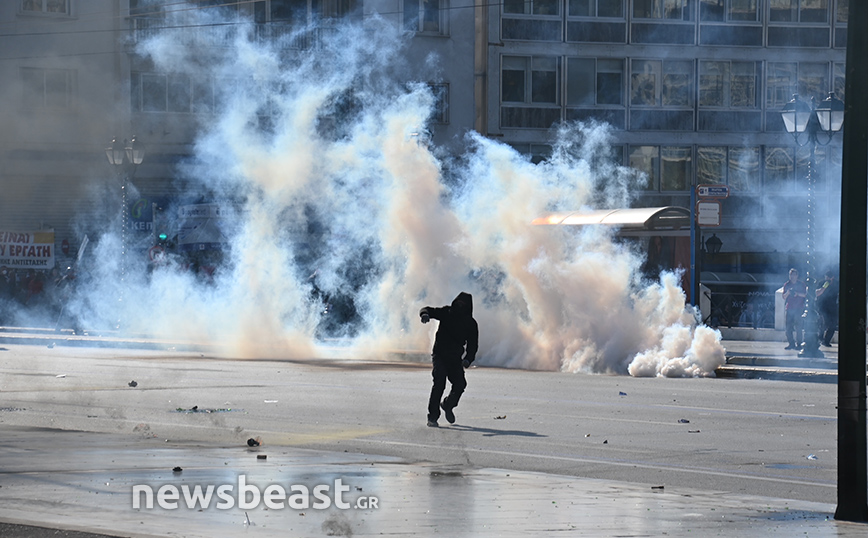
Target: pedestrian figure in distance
pixel 457 335
pixel 827 307
pixel 795 294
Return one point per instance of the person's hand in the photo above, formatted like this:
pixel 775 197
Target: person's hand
pixel 425 318
pixel 465 363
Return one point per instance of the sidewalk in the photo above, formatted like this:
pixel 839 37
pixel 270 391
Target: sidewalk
pixel 760 353
pixel 90 489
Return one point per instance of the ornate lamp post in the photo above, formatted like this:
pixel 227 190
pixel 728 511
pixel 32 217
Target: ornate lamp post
pixel 713 244
pixel 125 157
pixel 812 119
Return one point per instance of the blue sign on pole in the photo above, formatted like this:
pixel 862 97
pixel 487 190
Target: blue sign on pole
pixel 712 191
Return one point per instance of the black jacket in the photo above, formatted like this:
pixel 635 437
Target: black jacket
pixel 457 328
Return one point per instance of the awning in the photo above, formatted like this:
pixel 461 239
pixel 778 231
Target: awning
pixel 636 222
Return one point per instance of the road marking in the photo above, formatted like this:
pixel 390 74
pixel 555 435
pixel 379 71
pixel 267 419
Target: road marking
pixel 707 472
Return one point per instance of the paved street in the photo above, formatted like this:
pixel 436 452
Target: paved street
pixel 531 453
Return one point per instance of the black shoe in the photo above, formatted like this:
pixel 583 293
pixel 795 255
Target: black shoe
pixel 433 424
pixel 450 416
pixel 791 346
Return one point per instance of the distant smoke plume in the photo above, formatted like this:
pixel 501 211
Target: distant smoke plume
pixel 339 205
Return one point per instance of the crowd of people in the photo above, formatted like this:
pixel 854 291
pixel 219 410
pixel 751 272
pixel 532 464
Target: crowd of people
pixel 825 303
pixel 37 293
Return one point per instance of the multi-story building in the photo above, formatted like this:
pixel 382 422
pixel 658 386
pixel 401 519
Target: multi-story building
pixel 692 89
pixel 74 81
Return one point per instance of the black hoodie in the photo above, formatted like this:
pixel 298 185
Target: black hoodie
pixel 457 328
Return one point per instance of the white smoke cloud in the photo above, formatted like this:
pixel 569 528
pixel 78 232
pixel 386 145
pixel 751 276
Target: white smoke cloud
pixel 340 204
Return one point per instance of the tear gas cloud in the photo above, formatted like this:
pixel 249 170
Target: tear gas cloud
pixel 338 203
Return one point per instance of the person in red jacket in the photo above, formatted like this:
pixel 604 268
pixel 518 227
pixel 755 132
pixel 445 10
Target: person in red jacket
pixel 455 347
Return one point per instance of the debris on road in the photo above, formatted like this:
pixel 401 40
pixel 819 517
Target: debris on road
pixel 195 409
pixel 812 457
pixel 656 487
pixel 254 442
pixel 501 417
pixel 133 383
pixel 693 431
pixel 60 376
pixel 261 456
pixel 177 470
pixel 622 393
pixel 683 421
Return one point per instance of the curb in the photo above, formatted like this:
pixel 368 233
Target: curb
pixel 777 374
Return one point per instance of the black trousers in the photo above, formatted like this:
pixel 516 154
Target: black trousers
pixel 446 368
pixel 828 325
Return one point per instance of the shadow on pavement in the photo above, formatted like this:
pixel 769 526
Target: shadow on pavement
pixel 491 432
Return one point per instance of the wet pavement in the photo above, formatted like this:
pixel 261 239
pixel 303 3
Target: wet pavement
pixel 82 482
pixel 90 489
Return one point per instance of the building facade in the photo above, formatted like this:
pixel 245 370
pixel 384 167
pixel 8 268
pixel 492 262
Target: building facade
pixel 692 89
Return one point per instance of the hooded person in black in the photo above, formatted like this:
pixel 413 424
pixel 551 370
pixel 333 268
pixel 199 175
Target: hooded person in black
pixel 457 335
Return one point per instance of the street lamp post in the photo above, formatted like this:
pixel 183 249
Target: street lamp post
pixel 812 119
pixel 125 157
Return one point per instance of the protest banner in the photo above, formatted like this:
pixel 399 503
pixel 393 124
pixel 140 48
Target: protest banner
pixel 27 250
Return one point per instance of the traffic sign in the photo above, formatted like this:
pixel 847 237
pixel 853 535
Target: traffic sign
pixel 708 213
pixel 156 253
pixel 712 191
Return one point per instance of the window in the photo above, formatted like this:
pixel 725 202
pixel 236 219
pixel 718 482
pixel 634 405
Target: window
pixel 428 16
pixel 536 153
pixel 595 81
pixel 843 11
pixel 440 112
pixel 729 10
pixel 799 10
pixel 838 80
pixel 54 7
pixel 668 168
pixel 529 79
pixel 728 84
pixel 158 92
pixel 154 93
pixel 666 83
pixel 744 169
pixel 646 159
pixel 779 169
pixel 202 97
pixel 531 7
pixel 711 164
pixel 662 9
pixel 47 89
pixel 293 11
pixel 738 167
pixel 676 172
pixel 807 79
pixel 596 8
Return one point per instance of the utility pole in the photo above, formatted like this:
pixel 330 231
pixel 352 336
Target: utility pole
pixel 852 467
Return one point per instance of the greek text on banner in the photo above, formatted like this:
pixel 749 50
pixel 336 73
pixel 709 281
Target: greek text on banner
pixel 27 250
